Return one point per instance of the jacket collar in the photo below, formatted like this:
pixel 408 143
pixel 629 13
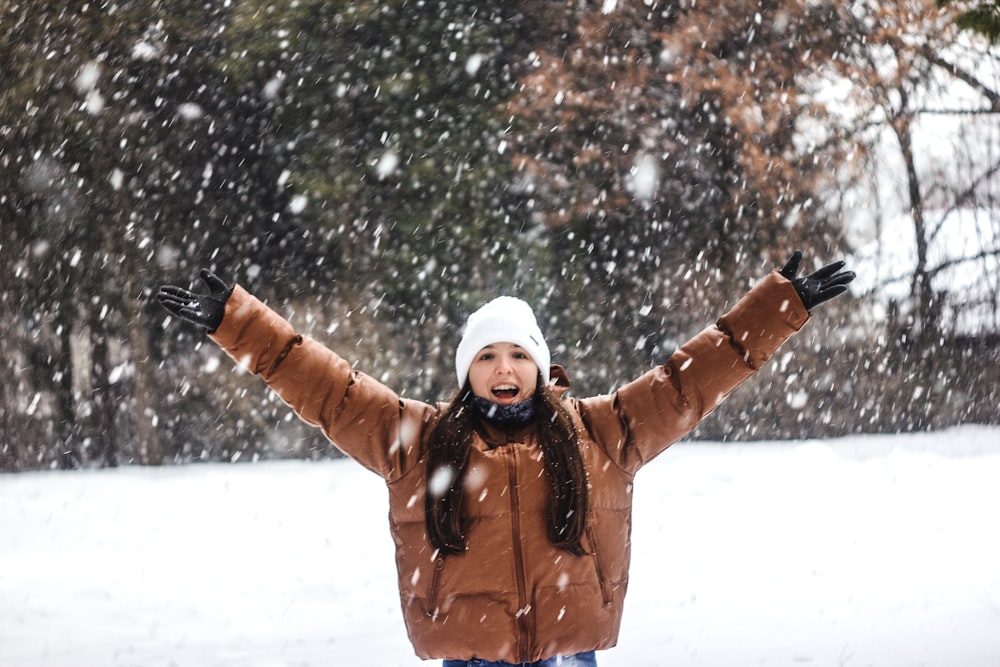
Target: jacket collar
pixel 559 381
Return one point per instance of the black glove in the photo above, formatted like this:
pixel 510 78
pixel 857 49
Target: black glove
pixel 817 287
pixel 203 309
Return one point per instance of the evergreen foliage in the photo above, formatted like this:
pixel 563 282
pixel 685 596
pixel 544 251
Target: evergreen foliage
pixel 980 17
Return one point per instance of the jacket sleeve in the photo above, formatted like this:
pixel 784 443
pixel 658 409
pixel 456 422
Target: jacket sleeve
pixel 646 416
pixel 361 417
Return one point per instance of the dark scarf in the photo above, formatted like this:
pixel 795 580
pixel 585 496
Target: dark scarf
pixel 505 416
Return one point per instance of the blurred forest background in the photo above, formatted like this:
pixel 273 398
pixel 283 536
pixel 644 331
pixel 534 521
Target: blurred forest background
pixel 376 170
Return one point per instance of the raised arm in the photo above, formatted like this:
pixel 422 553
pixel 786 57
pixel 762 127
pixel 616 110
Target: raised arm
pixel 646 416
pixel 362 417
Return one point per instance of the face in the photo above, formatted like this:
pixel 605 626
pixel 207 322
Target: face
pixel 503 373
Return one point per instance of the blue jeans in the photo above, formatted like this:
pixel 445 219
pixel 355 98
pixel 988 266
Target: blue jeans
pixel 587 659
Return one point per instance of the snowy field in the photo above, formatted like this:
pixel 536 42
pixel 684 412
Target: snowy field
pixel 880 551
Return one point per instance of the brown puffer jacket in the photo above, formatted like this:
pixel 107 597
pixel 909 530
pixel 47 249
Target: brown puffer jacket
pixel 512 596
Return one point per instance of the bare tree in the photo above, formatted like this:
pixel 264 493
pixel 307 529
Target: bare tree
pixel 918 79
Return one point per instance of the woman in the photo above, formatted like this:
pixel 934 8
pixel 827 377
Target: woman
pixel 510 506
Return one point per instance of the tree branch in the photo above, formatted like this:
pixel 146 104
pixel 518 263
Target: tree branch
pixel 935 59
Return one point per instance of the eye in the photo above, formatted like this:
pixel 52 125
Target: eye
pixel 485 356
pixel 520 355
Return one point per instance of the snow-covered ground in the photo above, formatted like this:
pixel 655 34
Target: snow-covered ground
pixel 870 550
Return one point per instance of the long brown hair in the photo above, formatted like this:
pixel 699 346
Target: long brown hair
pixel 448 461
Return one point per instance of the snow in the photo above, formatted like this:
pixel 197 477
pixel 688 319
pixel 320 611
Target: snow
pixel 874 550
pixel 643 178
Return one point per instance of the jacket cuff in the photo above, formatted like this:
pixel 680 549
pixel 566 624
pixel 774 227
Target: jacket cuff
pixel 764 319
pixel 252 334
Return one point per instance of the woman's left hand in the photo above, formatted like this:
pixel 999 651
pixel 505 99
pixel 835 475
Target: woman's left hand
pixel 820 286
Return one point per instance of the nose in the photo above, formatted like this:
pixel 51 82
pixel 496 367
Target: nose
pixel 503 366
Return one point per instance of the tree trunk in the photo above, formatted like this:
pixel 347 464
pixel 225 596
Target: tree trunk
pixel 924 320
pixel 103 403
pixel 144 385
pixel 62 376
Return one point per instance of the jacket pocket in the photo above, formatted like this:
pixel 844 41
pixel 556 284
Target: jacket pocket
pixel 598 566
pixel 433 590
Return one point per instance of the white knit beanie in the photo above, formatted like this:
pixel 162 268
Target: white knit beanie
pixel 505 319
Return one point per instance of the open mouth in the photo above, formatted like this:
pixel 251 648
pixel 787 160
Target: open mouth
pixel 505 391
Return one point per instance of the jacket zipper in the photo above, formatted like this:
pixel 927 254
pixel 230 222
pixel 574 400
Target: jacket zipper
pixel 601 579
pixel 524 638
pixel 432 594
